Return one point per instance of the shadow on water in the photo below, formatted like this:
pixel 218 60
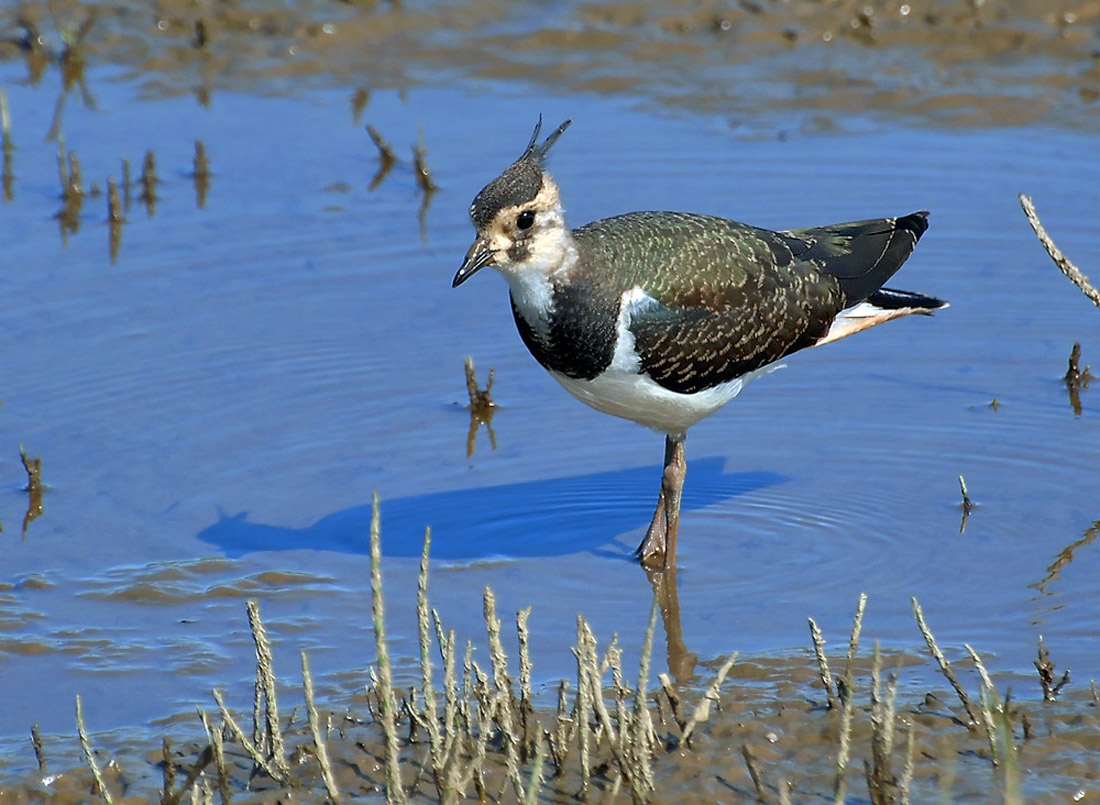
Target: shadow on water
pixel 536 518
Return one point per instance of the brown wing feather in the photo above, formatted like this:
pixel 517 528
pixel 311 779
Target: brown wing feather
pixel 717 332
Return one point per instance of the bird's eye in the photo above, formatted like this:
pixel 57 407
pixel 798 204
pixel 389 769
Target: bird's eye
pixel 525 219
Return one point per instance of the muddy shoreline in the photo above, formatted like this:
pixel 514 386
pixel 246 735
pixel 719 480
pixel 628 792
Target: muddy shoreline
pixel 773 736
pixel 943 64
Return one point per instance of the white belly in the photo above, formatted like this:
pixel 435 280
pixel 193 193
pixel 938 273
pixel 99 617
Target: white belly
pixel 624 392
pixel 636 397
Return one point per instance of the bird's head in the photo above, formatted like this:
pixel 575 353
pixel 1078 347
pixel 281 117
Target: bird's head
pixel 518 217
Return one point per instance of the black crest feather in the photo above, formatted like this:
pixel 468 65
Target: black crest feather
pixel 519 183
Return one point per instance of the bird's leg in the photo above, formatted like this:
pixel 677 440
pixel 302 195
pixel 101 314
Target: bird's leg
pixel 672 481
pixel 658 549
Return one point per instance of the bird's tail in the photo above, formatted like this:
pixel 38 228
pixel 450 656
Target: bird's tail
pixel 862 255
pixel 881 306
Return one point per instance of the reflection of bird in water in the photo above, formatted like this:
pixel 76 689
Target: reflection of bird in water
pixel 681 662
pixel 662 317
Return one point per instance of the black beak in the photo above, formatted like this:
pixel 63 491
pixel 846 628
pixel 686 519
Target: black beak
pixel 479 256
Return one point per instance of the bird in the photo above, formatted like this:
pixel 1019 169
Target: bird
pixel 663 317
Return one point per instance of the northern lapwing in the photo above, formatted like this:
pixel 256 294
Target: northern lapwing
pixel 663 317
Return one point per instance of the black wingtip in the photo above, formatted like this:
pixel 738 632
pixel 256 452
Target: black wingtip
pixel 915 222
pixel 889 299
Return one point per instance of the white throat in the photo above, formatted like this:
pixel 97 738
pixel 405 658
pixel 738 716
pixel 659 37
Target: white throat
pixel 550 258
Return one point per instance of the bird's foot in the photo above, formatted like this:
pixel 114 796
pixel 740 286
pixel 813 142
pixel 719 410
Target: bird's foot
pixel 651 551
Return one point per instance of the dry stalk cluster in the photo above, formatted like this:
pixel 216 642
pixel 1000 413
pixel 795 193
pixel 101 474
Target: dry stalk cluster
pixel 993 716
pixel 73 189
pixel 472 730
pixel 1045 667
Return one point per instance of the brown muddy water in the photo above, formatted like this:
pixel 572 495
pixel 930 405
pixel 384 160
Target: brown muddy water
pixel 215 403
